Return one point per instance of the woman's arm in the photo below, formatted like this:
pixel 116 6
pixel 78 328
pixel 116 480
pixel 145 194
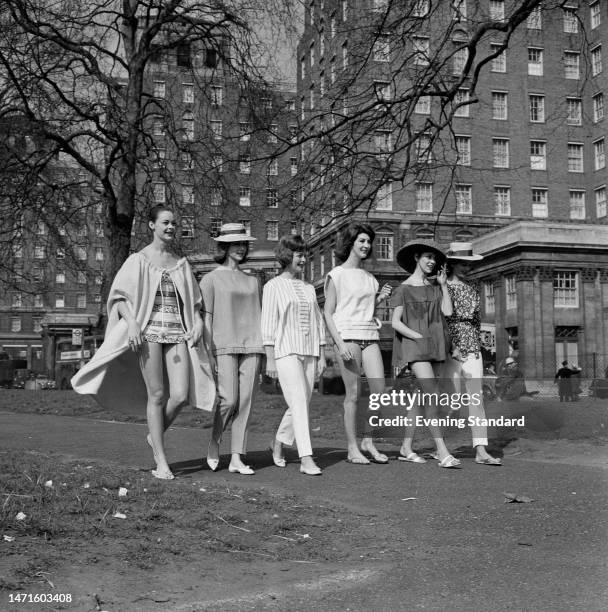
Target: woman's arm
pixel 208 340
pixel 270 322
pixel 331 300
pixel 446 300
pixel 399 326
pixel 133 328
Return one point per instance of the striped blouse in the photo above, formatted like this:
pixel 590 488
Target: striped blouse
pixel 291 319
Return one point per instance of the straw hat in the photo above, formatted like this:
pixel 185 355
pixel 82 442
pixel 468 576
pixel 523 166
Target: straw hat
pixel 462 251
pixel 405 255
pixel 233 232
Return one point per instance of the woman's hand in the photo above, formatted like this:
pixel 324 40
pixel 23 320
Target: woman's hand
pixel 345 352
pixel 414 335
pixel 271 368
pixel 384 293
pixel 134 335
pixel 456 355
pixel 193 337
pixel 442 275
pixel 320 365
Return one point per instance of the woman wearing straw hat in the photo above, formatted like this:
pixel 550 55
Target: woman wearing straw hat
pixel 351 296
pixel 232 307
pixel 465 365
pixel 420 305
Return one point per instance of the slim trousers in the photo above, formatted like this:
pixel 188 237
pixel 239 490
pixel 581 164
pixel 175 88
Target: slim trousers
pixel 237 381
pixel 470 371
pixel 297 377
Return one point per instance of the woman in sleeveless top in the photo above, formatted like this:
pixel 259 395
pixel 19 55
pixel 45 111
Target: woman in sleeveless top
pixel 351 296
pixel 465 365
pixel 420 305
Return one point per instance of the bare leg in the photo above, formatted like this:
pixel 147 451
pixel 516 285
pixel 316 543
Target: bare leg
pixel 176 363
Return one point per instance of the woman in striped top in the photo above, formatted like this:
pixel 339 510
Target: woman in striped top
pixel 293 334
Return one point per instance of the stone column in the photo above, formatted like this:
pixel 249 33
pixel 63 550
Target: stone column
pixel 545 332
pixel 588 338
pixel 527 321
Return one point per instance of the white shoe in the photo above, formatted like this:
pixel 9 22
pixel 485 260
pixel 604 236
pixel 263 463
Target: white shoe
pixel 316 471
pixel 245 470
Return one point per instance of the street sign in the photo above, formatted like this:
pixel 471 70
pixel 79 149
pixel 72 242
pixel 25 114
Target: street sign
pixel 77 336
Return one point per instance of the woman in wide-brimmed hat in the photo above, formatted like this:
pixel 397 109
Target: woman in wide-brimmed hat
pixel 464 364
pixel 232 307
pixel 420 304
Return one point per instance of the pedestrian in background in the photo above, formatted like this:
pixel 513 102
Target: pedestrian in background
pixel 232 317
pixel 293 334
pixel 564 386
pixel 154 326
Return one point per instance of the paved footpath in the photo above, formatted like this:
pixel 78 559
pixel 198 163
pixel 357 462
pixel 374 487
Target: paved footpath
pixel 469 550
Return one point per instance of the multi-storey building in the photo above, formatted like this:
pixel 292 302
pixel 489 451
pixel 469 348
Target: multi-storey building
pixel 523 154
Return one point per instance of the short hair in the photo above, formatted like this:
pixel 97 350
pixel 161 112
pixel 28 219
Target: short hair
pixel 156 210
pixel 222 254
pixel 565 363
pixel 347 239
pixel 288 245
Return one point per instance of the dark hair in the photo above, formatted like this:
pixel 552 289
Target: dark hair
pixel 288 245
pixel 222 252
pixel 347 239
pixel 156 210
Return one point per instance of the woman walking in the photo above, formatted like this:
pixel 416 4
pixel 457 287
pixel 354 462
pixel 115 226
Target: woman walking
pixel 232 309
pixel 154 326
pixel 465 365
pixel 351 297
pixel 294 337
pixel 420 305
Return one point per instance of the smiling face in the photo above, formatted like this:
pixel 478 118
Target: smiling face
pixel 426 261
pixel 298 261
pixel 164 226
pixel 362 246
pixel 461 268
pixel 237 251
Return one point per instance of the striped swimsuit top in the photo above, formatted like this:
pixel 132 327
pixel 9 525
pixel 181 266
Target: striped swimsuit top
pixel 165 325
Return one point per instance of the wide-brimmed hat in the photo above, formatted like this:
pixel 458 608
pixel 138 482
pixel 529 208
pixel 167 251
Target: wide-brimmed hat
pixel 462 250
pixel 509 360
pixel 405 255
pixel 233 232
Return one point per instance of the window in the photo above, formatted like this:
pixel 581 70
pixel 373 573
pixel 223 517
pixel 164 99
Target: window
pixel 490 297
pixel 577 204
pixel 538 155
pixel 272 199
pixel 510 292
pixel 461 98
pixel 59 300
pixel 273 168
pixel 244 196
pixel 39 252
pixel 382 49
pixel 344 10
pixel 272 230
pixel 464 200
pixel 459 61
pixel 384 247
pixel 247 224
pixel 218 163
pixel 332 70
pixel 463 150
pixel 575 111
pixel 540 206
pixel 217 95
pixel 570 21
pixel 272 133
pixel 245 164
pixel 571 65
pixel 244 131
pixel 186 160
pixel 216 129
pixel 575 157
pixel 159 89
pixel 383 140
pixel 267 103
pixel 290 105
pixel 424 197
pixel 81 252
pixel 596 16
pixel 293 163
pixel 537 108
pixel 293 228
pixel 565 290
pixel 383 90
pixel 332 26
pixel 421 50
pixel 497 10
pixel 535 61
pixel 159 193
pixel 303 68
pixel 60 277
pixel 420 8
pixel 17 300
pixel 499 63
pixel 598 107
pixel 187 226
pixel 293 133
pixel 500 152
pixel 459 9
pixel 502 201
pixel 424 154
pixel 81 300
pixel 188 93
pixel 599 154
pixel 37 321
pixel 82 278
pixel 312 55
pixel 159 156
pixel 184 57
pixel 15 324
pixel 423 105
pixel 600 202
pixel 311 93
pixel 98 280
pixel 158 126
pixel 97 298
pixel 596 60
pixel 344 55
pixel 384 197
pixel 535 20
pixel 215 226
pixel 59 253
pixel 216 197
pixel 99 254
pixel 499 105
